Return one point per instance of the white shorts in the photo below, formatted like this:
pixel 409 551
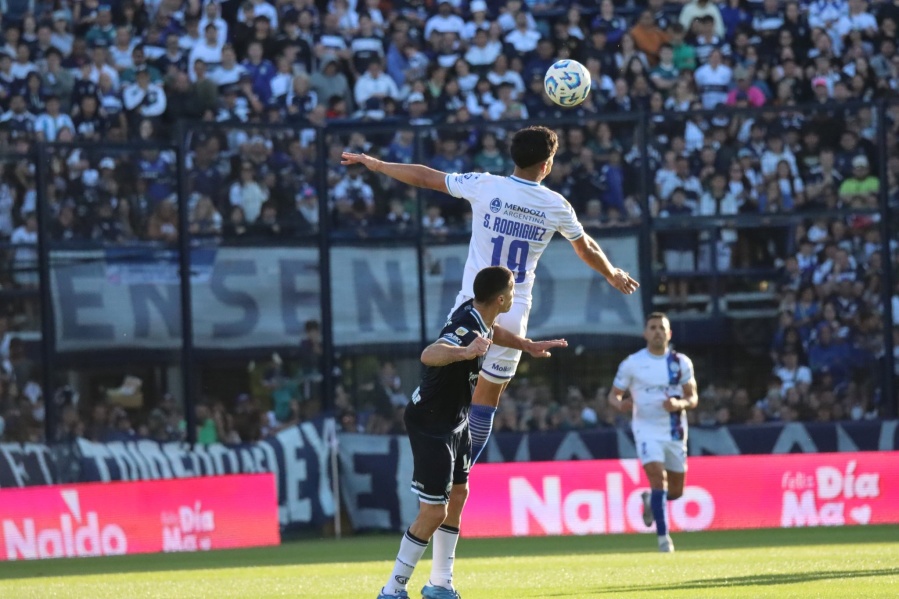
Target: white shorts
pixel 500 363
pixel 671 453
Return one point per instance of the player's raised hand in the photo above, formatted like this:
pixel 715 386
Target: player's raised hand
pixel 623 282
pixel 478 347
pixel 540 349
pixel 348 158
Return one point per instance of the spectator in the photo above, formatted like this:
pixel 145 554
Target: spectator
pixel 174 59
pixel 713 80
pixel 484 51
pixel 24 263
pixel 212 15
pixel 204 218
pixel 102 33
pixel 209 50
pixel 792 374
pixel 328 82
pixel 433 222
pixel 48 124
pixel 120 52
pixel 501 73
pixel 681 179
pixel 665 74
pixel 649 37
pixel 695 9
pixel 613 26
pixel 444 22
pixel 248 193
pixel 57 80
pixel 678 249
pixel 60 37
pixel 260 71
pixel 524 38
pixel 506 107
pixel 828 355
pixel 745 90
pixel 228 72
pixel 352 188
pixel 144 99
pixel 860 190
pixel 163 223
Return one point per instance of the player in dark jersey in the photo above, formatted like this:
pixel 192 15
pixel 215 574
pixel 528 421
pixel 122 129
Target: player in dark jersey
pixel 437 425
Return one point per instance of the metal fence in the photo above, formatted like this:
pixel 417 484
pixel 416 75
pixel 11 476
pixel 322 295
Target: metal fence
pixel 238 241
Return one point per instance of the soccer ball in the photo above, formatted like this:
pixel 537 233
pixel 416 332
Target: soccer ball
pixel 567 82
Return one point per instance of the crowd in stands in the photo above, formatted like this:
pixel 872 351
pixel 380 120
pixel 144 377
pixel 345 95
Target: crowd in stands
pixel 258 80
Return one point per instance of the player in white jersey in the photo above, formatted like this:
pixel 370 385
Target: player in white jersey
pixel 662 387
pixel 513 220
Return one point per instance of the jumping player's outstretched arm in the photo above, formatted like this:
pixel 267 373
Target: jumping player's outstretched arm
pixel 537 349
pixel 589 251
pixel 417 175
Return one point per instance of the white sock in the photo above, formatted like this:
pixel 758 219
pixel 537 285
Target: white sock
pixel 411 550
pixel 445 540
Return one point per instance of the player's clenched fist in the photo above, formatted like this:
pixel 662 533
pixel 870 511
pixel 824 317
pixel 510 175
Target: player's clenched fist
pixel 478 347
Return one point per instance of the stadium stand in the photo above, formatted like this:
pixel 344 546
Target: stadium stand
pixel 767 211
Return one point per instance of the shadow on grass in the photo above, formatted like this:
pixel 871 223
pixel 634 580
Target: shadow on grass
pixel 382 547
pixel 740 581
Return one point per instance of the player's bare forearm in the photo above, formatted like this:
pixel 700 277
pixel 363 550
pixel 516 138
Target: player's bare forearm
pixel 441 354
pixel 537 349
pixel 589 251
pixel 505 338
pixel 690 398
pixel 416 175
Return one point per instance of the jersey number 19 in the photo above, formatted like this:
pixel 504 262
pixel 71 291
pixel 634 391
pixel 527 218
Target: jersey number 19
pixel 517 261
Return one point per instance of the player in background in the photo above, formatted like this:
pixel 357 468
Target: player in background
pixel 437 424
pixel 662 388
pixel 513 220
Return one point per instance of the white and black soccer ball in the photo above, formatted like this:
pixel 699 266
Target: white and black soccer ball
pixel 567 82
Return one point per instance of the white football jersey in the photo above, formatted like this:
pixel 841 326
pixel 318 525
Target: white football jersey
pixel 651 380
pixel 512 222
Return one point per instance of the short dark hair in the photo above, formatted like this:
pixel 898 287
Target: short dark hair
pixel 533 145
pixel 491 282
pixel 656 315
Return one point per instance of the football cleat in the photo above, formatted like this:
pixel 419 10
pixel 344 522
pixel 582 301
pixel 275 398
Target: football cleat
pixel 400 595
pixel 434 592
pixel 666 545
pixel 647 508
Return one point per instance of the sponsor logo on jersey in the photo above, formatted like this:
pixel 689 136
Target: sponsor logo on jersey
pixel 453 338
pixel 525 210
pixel 496 205
pixel 501 368
pixel 461 331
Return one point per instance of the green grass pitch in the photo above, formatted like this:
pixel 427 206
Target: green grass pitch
pixel 857 562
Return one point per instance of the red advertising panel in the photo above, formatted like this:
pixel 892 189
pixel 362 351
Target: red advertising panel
pixel 187 514
pixel 603 496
